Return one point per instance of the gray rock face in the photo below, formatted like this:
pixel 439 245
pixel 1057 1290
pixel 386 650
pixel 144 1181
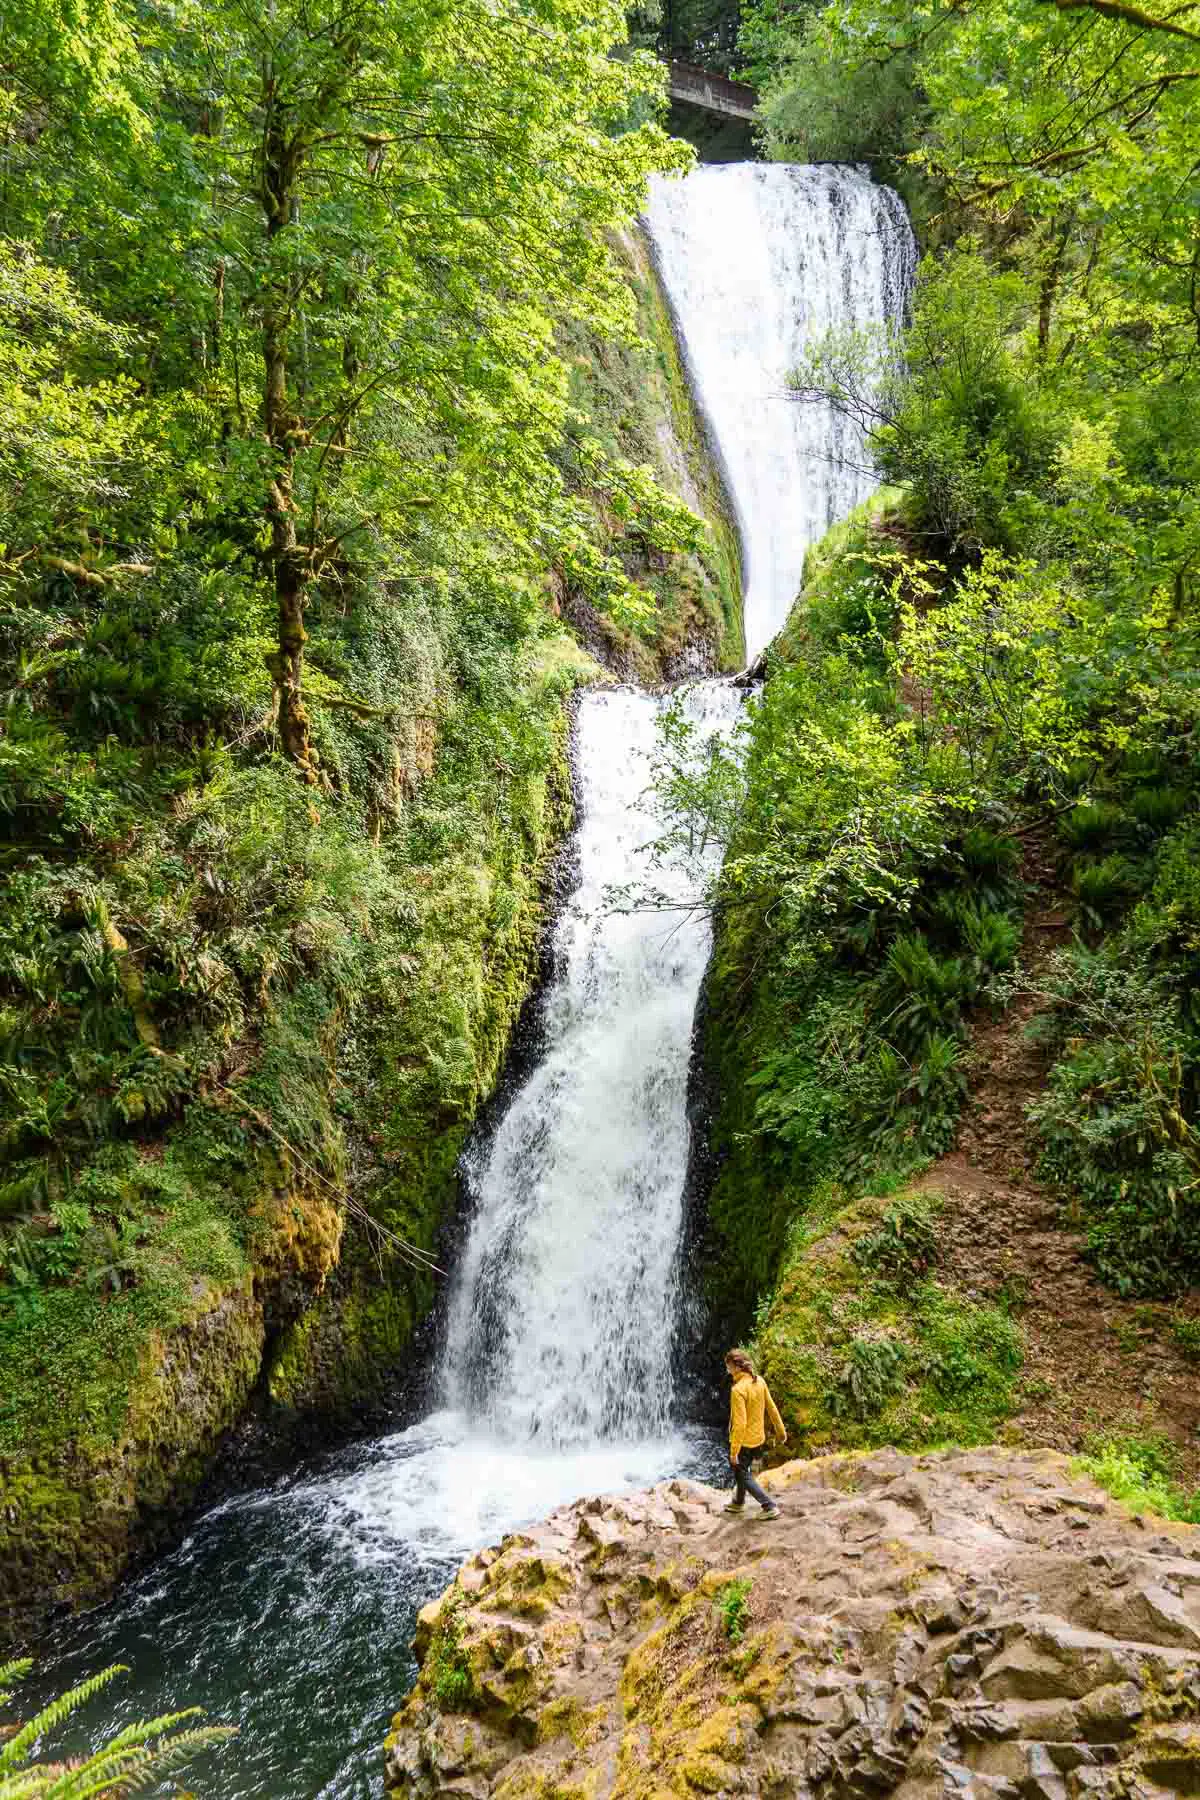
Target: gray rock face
pixel 966 1623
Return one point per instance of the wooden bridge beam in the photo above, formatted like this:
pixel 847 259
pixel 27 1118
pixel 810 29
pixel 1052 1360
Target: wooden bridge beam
pixel 714 93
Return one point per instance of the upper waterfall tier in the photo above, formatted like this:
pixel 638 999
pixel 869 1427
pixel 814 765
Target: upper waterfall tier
pixel 758 261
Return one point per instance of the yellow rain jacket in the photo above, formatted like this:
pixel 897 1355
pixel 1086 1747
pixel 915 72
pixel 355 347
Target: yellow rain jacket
pixel 750 1407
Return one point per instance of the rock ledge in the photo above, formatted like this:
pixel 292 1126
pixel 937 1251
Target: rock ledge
pixel 958 1624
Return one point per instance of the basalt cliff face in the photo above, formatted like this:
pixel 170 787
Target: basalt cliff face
pixel 960 1623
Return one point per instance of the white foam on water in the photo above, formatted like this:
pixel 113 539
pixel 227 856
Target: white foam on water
pixel 444 1488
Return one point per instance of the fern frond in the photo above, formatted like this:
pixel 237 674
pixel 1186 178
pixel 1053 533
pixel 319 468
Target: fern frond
pixel 179 1749
pixel 27 1784
pixel 144 1768
pixel 13 1751
pixel 14 1672
pixel 100 1773
pixel 143 1729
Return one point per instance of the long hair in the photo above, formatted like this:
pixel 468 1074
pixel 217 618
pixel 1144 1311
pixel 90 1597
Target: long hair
pixel 742 1361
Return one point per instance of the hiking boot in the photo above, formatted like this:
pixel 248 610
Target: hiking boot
pixel 768 1512
pixel 736 1506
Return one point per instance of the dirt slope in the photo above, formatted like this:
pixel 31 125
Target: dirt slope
pixel 1096 1365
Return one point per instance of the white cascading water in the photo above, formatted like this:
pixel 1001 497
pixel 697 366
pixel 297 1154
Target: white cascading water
pixel 759 260
pixel 556 1371
pixel 295 1602
pixel 562 1320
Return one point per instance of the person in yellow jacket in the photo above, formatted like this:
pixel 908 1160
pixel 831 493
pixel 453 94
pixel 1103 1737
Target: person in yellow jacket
pixel 751 1411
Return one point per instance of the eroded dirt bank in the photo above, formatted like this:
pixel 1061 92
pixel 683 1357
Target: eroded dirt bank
pixel 958 1623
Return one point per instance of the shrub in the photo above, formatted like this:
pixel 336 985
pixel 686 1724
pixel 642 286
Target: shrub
pixel 733 1608
pixel 874 1371
pixel 903 1246
pixel 990 936
pixel 922 994
pixel 1092 823
pixel 1102 888
pixel 1158 808
pixel 991 860
pixel 1165 927
pixel 906 1111
pixel 1140 1473
pixel 1110 1127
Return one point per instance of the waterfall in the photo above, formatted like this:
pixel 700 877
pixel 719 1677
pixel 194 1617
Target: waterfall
pixel 562 1318
pixel 758 261
pixel 564 1308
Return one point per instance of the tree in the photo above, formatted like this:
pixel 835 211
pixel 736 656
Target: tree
pixel 345 232
pixel 402 199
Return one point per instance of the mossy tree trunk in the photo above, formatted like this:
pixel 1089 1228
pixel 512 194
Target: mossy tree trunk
pixel 283 155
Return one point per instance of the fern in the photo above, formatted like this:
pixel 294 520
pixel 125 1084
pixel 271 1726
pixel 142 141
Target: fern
pixel 133 1761
pixel 12 1753
pixel 14 1672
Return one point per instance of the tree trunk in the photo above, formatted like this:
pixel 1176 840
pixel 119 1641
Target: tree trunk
pixel 290 566
pixel 1051 275
pixel 287 662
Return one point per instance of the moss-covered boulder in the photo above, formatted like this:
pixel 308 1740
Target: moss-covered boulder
pixel 91 1490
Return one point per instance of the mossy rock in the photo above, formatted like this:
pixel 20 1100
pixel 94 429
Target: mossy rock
pixel 857 1355
pixel 639 406
pixel 75 1513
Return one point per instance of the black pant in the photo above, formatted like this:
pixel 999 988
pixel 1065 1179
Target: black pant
pixel 744 1482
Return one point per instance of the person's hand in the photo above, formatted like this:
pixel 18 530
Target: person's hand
pixel 733 1462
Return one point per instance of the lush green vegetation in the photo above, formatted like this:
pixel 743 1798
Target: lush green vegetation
pixel 1140 1473
pixel 447 1665
pixel 135 1759
pixel 863 1342
pixel 303 457
pixel 733 1608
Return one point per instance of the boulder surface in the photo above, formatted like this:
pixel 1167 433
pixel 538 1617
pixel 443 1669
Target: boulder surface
pixel 966 1623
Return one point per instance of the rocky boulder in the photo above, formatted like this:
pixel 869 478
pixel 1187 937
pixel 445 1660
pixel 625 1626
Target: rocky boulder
pixel 954 1624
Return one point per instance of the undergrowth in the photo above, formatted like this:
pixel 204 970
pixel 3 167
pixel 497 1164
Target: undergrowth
pixel 1141 1474
pixel 447 1665
pixel 918 759
pixel 733 1608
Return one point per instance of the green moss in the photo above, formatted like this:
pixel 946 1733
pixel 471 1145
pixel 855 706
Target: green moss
pixel 856 1361
pixel 69 1355
pixel 72 1507
pixel 638 405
